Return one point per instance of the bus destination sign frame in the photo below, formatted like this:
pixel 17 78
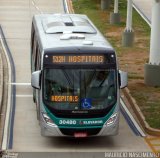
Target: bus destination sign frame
pixel 75 59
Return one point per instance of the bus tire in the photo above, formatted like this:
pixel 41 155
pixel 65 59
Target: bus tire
pixel 38 113
pixel 34 100
pixel 34 97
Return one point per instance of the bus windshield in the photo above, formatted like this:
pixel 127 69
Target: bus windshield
pixel 79 89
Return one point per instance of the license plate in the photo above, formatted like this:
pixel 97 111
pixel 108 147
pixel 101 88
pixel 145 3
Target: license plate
pixel 80 135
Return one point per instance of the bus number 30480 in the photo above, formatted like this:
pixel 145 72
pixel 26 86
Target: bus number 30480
pixel 67 122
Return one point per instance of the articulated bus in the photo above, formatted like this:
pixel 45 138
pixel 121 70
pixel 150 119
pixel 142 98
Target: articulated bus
pixel 75 77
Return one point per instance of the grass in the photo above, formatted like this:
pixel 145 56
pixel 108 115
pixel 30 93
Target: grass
pixel 130 59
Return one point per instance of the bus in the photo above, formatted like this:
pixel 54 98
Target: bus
pixel 75 77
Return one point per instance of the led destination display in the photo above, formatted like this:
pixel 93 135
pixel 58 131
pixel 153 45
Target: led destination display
pixel 64 98
pixel 95 59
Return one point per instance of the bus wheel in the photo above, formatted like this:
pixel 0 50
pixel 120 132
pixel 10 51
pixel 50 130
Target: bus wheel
pixel 34 99
pixel 38 112
pixel 34 96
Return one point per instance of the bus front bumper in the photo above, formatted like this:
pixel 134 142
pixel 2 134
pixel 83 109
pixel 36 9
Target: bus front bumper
pixel 47 130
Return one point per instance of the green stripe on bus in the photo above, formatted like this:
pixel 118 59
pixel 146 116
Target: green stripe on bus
pixel 79 123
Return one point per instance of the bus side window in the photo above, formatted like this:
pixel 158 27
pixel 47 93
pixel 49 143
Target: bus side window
pixel 31 47
pixel 38 60
pixel 32 38
pixel 34 54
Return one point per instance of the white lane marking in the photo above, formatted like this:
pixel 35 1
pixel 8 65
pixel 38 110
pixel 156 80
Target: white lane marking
pixel 34 4
pixel 21 84
pixel 23 96
pixel 133 120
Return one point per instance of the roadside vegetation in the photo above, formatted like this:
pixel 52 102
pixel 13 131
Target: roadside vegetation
pixel 130 59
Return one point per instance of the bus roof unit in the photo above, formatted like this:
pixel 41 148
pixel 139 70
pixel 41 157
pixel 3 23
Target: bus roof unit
pixel 76 30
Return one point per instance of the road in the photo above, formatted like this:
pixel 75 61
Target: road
pixel 15 18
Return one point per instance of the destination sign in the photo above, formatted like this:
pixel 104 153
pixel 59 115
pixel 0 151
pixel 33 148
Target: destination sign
pixel 70 59
pixel 64 98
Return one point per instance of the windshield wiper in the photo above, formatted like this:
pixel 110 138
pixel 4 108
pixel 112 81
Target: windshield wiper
pixel 90 79
pixel 68 79
pixel 102 82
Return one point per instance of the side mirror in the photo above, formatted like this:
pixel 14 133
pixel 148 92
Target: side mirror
pixel 35 80
pixel 123 79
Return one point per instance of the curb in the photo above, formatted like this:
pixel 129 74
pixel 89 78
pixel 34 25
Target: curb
pixel 140 116
pixel 131 100
pixel 10 95
pixel 1 81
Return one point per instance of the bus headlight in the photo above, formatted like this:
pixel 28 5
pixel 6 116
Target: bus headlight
pixel 48 120
pixel 112 119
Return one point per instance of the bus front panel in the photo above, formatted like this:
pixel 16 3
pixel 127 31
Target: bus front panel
pixel 80 92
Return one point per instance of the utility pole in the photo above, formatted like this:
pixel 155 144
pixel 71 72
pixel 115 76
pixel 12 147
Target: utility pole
pixel 152 69
pixel 115 16
pixel 105 4
pixel 128 34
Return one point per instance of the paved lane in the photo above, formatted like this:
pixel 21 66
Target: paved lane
pixel 30 139
pixel 15 17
